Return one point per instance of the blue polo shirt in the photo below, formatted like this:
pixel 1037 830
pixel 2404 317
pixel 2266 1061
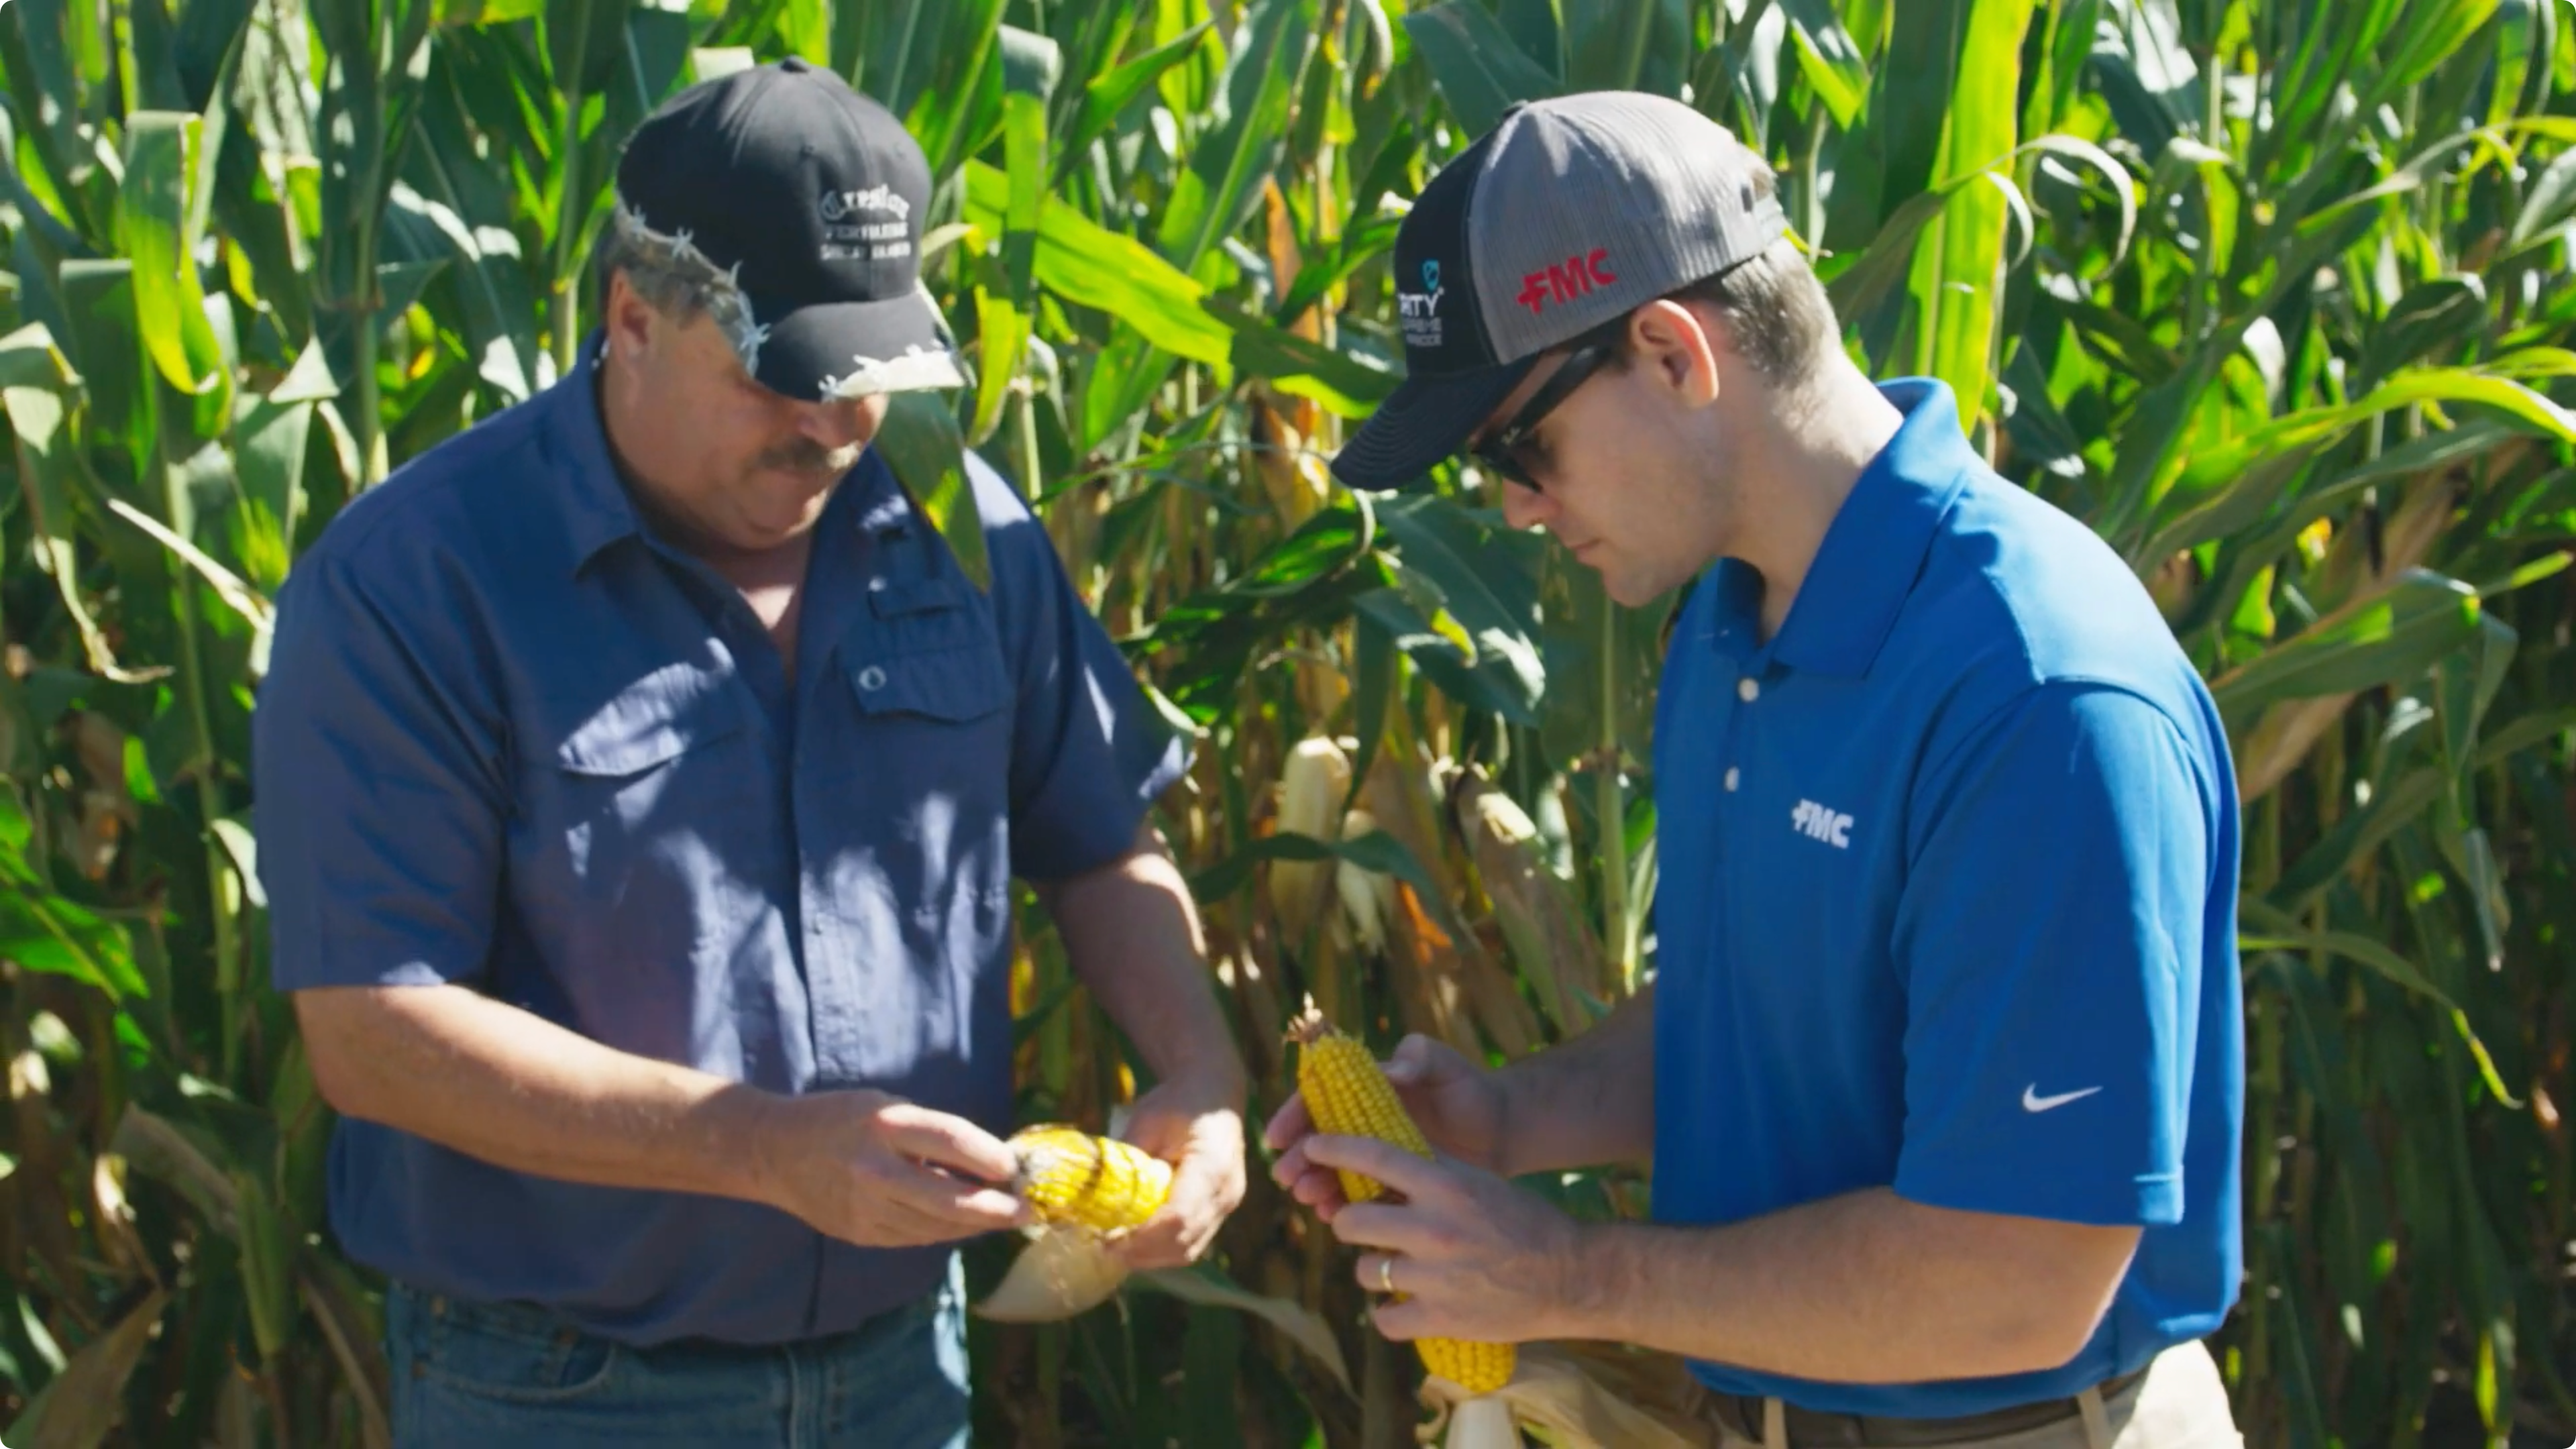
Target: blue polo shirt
pixel 1948 902
pixel 510 739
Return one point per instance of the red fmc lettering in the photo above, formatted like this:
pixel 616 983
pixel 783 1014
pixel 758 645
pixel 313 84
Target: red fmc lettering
pixel 1564 281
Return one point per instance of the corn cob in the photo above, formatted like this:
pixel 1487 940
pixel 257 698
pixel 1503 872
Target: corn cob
pixel 1348 1095
pixel 1070 1177
pixel 1311 789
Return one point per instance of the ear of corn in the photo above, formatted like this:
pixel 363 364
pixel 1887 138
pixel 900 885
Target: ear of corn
pixel 1479 1368
pixel 1348 1095
pixel 1312 786
pixel 1070 1177
pixel 1547 936
pixel 1367 898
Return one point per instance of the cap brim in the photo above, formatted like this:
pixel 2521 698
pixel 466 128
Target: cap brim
pixel 857 349
pixel 1424 421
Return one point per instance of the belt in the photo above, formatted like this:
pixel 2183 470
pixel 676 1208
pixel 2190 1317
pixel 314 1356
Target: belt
pixel 1741 1415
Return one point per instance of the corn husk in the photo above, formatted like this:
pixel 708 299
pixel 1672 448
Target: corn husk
pixel 1060 1273
pixel 1400 794
pixel 1576 1396
pixel 1312 786
pixel 1367 898
pixel 1550 940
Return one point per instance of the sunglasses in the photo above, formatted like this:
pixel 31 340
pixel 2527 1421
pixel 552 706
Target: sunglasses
pixel 1506 451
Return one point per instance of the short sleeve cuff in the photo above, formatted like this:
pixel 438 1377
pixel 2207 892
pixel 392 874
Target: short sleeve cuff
pixel 2148 1200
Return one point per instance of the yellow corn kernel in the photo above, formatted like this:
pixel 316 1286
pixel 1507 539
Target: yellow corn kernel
pixel 1070 1177
pixel 1348 1095
pixel 1479 1368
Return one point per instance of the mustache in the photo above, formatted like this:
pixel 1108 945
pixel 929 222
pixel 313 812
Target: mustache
pixel 804 455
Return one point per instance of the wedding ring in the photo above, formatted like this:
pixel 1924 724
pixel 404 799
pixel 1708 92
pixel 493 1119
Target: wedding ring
pixel 1386 1273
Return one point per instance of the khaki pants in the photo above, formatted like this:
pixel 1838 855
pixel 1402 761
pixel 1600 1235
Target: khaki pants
pixel 2178 1403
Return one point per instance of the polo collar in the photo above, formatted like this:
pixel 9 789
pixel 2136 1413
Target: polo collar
pixel 1875 547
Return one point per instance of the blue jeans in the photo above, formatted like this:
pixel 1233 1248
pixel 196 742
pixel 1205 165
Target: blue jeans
pixel 503 1375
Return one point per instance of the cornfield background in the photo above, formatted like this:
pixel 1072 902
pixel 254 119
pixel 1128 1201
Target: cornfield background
pixel 2274 293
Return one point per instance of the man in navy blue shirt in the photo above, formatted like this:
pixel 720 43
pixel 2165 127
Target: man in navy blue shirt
pixel 642 783
pixel 1940 1070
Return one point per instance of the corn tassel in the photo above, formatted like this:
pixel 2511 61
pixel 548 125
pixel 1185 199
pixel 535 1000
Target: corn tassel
pixel 1348 1095
pixel 1070 1177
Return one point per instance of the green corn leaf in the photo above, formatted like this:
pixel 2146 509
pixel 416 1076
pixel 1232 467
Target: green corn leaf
pixel 81 1406
pixel 1109 97
pixel 2392 636
pixel 1393 620
pixel 1626 45
pixel 1231 161
pixel 1086 263
pixel 170 307
pixel 2434 317
pixel 2274 932
pixel 1003 333
pixel 920 442
pixel 1485 577
pixel 1377 851
pixel 1957 265
pixel 1479 70
pixel 2226 488
pixel 1829 58
pixel 585 41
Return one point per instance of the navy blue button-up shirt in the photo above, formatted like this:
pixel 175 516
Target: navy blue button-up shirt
pixel 512 740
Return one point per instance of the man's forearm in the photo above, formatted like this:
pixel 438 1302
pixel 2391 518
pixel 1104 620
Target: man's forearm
pixel 498 1083
pixel 1131 932
pixel 1587 1103
pixel 1863 1288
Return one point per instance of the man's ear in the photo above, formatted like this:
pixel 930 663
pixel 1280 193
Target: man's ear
pixel 628 317
pixel 1678 345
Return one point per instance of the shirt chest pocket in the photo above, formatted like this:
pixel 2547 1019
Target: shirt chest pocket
pixel 651 787
pixel 927 661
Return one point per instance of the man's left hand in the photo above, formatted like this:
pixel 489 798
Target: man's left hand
pixel 1198 1128
pixel 1474 1257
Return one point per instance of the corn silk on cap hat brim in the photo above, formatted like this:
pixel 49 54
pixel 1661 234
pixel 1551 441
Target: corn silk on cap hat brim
pixel 1569 213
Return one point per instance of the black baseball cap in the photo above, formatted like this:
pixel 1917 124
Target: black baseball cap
pixel 812 196
pixel 1568 214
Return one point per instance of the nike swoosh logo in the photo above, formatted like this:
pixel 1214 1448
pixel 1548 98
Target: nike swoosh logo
pixel 2032 1101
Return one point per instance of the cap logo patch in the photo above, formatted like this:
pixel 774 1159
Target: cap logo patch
pixel 1420 311
pixel 1562 282
pixel 867 226
pixel 880 198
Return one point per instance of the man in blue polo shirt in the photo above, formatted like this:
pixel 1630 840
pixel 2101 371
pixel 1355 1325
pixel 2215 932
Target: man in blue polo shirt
pixel 642 782
pixel 1940 1072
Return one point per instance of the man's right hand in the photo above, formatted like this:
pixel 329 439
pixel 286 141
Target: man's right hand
pixel 876 1170
pixel 1459 1106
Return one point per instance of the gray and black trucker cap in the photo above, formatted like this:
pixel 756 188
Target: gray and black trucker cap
pixel 1570 212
